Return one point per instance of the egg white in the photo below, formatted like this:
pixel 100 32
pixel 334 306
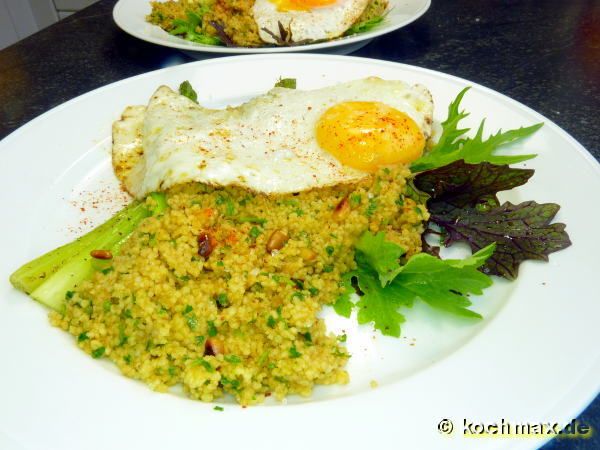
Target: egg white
pixel 323 23
pixel 267 144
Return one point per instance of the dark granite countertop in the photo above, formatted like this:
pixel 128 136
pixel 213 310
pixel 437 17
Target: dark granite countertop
pixel 545 54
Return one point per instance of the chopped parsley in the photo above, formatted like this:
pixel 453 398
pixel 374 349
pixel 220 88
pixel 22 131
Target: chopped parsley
pixel 251 219
pixel 294 353
pixel 233 384
pixel 263 358
pixel 82 337
pixel 233 359
pixel 98 353
pixel 222 300
pixel 122 337
pixel 224 199
pixel 329 250
pixel 371 208
pixel 190 317
pixel 255 232
pixel 219 408
pixel 204 363
pixel 212 329
pixel 355 200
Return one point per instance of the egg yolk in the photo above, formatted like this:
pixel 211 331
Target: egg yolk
pixel 368 135
pixel 301 5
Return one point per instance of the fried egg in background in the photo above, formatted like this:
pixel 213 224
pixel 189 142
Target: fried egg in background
pixel 284 141
pixel 306 19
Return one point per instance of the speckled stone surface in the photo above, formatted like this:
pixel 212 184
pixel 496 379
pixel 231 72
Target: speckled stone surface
pixel 545 54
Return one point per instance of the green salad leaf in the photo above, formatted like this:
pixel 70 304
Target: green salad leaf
pixel 289 83
pixel 380 305
pixel 520 232
pixel 442 284
pixel 343 305
pixel 463 203
pixel 188 91
pixel 188 29
pixel 460 184
pixel 454 146
pixel 364 26
pixel 374 251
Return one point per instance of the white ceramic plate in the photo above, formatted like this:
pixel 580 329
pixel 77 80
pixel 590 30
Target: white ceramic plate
pixel 130 16
pixel 534 358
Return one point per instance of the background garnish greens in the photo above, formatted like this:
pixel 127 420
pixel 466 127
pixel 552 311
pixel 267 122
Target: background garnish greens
pixel 231 23
pixel 188 29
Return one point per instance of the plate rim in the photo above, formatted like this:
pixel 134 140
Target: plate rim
pixel 323 46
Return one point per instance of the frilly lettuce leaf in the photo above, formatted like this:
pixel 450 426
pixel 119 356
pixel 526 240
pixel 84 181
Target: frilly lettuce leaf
pixel 454 146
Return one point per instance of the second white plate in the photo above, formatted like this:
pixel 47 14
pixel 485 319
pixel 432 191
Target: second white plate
pixel 130 16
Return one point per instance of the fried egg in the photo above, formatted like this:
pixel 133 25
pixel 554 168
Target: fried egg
pixel 305 19
pixel 284 141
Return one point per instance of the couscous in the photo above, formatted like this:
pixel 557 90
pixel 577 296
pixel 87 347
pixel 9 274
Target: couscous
pixel 221 293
